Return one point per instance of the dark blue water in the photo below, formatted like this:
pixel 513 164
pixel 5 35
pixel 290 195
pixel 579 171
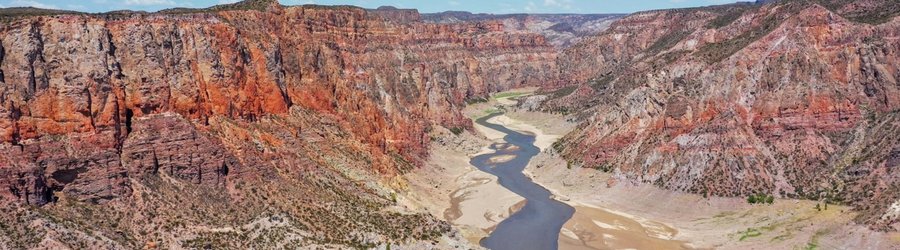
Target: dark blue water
pixel 537 225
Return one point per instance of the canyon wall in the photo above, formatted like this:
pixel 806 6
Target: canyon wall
pixel 75 86
pixel 256 108
pixel 793 98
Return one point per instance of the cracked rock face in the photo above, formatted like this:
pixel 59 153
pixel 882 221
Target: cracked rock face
pixel 90 103
pixel 798 100
pixel 171 144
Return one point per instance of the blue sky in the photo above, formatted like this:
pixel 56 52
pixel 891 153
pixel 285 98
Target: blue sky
pixel 425 6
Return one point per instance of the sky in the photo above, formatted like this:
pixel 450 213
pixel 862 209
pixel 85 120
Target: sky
pixel 424 6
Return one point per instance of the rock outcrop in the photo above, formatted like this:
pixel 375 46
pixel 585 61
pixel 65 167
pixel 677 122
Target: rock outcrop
pixel 95 79
pixel 794 98
pixel 242 110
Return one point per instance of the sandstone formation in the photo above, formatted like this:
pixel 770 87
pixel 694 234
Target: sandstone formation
pixel 101 80
pixel 157 120
pixel 793 98
pixel 257 125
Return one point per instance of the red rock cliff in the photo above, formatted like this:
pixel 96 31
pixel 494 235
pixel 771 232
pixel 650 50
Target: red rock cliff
pixel 90 103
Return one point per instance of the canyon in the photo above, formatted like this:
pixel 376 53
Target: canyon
pixel 260 125
pixel 264 111
pixel 793 98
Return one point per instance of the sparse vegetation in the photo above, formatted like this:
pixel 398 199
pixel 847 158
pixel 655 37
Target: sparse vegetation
pixel 750 233
pixel 879 13
pixel 760 199
pixel 563 92
pixel 493 110
pixel 476 100
pixel 667 41
pixel 242 5
pixel 716 52
pixel 728 16
pixel 509 95
pixel 457 130
pixel 605 167
pixel 10 14
pixel 810 246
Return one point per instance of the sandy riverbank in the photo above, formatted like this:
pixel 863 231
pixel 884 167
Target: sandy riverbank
pixel 450 188
pixel 591 227
pixel 612 214
pixel 671 220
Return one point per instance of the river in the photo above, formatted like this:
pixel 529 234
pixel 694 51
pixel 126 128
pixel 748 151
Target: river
pixel 537 224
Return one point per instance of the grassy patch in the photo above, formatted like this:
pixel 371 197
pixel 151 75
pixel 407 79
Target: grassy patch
pixel 750 233
pixel 563 92
pixel 810 246
pixel 724 214
pixel 492 111
pixel 814 241
pixel 509 95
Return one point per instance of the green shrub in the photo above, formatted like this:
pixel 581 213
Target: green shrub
pixel 760 199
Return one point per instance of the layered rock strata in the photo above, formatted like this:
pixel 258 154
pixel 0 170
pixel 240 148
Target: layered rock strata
pixel 793 98
pixel 243 110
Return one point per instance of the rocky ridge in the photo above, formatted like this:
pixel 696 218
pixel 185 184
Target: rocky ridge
pixel 561 30
pixel 792 98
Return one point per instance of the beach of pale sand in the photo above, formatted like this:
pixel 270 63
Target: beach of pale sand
pixel 611 214
pixel 614 215
pixel 450 188
pixel 591 227
pixel 704 223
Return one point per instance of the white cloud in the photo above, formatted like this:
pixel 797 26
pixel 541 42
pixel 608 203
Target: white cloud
pixel 565 4
pixel 454 3
pixel 228 1
pixel 530 7
pixel 28 3
pixel 149 2
pixel 75 7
